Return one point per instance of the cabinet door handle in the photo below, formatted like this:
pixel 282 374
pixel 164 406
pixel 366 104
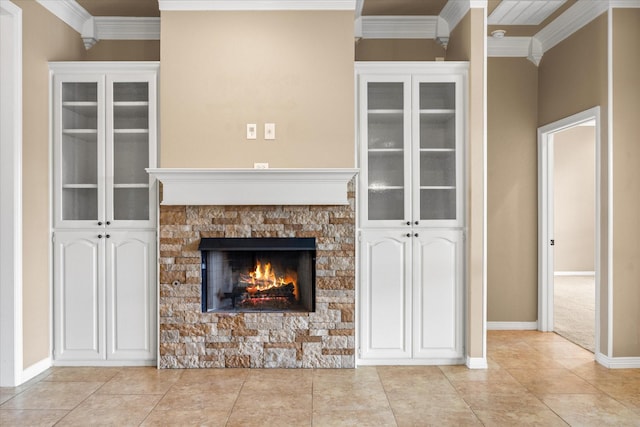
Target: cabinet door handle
pixel 107 236
pixel 99 222
pixel 416 223
pixel 99 236
pixel 415 235
pixel 408 234
pixel 408 222
pixel 108 222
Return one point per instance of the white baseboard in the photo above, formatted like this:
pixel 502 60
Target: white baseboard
pixel 512 326
pixel 574 273
pixel 618 362
pixel 477 363
pixel 35 370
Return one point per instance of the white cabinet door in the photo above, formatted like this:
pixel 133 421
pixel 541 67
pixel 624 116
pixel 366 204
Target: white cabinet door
pixel 78 296
pixel 437 294
pixel 385 300
pixel 131 295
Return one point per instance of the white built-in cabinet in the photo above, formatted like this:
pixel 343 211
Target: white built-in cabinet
pixel 411 132
pixel 104 125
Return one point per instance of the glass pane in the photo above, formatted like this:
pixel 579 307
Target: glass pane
pixel 385 169
pixel 386 204
pixel 385 96
pixel 131 204
pixel 79 151
pixel 130 158
pixel 386 130
pixel 438 168
pixel 437 204
pixel 80 204
pixel 437 96
pixel 130 151
pixel 438 131
pixel 130 91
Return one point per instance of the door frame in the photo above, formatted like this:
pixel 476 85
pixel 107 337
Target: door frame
pixel 11 330
pixel 545 216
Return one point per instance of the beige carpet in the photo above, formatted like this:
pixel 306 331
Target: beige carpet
pixel 574 309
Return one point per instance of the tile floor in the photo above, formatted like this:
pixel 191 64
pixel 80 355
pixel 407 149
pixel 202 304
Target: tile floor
pixel 533 379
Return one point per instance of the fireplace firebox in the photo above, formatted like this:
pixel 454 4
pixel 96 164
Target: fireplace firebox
pixel 258 274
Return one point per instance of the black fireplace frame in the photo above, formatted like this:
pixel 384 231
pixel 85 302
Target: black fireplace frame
pixel 230 244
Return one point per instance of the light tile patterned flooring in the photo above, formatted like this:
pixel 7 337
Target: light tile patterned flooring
pixel 533 379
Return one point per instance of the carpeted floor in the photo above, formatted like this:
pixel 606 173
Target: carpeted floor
pixel 574 309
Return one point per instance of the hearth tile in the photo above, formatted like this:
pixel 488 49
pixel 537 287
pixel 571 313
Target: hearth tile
pixel 30 417
pixel 111 410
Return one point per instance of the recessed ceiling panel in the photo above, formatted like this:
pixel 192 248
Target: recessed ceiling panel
pixel 403 7
pixel 520 12
pixel 136 8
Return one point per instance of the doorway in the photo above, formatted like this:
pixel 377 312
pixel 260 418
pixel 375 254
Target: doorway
pixel 569 222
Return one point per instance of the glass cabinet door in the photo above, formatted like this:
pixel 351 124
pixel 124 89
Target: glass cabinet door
pixel 386 166
pixel 130 118
pixel 436 158
pixel 78 126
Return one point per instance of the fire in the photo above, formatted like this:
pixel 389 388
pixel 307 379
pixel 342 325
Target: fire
pixel 263 278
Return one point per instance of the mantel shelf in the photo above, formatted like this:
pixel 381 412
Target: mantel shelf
pixel 254 186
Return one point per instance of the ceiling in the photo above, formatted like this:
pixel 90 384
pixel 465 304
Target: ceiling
pixel 149 8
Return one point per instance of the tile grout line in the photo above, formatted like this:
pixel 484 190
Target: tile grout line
pixel 160 400
pixel 386 395
pixel 461 396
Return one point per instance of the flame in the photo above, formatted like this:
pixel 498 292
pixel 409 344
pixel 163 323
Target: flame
pixel 264 277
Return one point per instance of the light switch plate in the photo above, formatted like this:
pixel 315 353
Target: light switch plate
pixel 269 131
pixel 252 130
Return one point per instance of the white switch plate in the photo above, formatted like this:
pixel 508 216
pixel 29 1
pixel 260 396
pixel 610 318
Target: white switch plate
pixel 269 131
pixel 252 131
pixel 261 165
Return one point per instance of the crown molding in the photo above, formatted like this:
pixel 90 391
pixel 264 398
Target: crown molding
pixel 508 47
pixel 127 28
pixel 574 18
pixel 399 27
pixel 454 11
pixel 630 4
pixel 68 11
pixel 248 5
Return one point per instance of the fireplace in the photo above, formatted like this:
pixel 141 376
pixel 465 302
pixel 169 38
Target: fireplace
pixel 258 274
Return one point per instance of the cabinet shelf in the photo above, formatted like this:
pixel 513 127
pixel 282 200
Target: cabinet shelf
pixel 131 104
pixel 437 150
pixel 386 111
pixel 385 150
pixel 125 131
pixel 438 111
pixel 80 105
pixel 79 186
pixel 385 187
pixel 80 131
pixel 437 187
pixel 130 185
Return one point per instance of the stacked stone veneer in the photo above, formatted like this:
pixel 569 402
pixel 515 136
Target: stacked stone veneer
pixel 322 339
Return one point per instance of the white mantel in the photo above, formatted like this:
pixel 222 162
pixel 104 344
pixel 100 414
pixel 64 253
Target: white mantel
pixel 254 186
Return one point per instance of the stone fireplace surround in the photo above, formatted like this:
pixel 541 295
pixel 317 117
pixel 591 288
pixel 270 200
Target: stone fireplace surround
pixel 322 339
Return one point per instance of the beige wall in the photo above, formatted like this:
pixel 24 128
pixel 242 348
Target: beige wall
pixel 398 50
pixel 222 70
pixel 573 78
pixel 574 178
pixel 626 181
pixel 512 294
pixel 124 50
pixel 46 38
